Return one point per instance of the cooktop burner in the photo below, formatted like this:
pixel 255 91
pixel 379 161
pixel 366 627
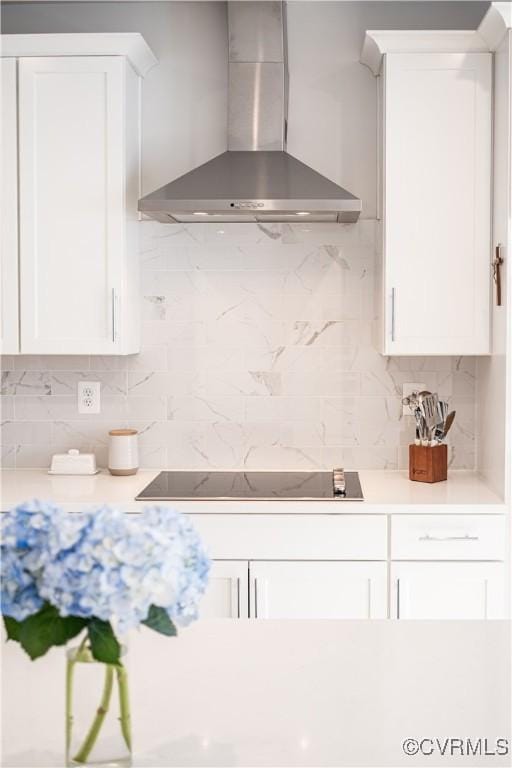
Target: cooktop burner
pixel 265 486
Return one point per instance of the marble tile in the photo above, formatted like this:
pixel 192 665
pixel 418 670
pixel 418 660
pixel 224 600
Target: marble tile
pixel 152 457
pixel 209 409
pixel 151 383
pixel 25 432
pixel 26 383
pixel 390 382
pixel 207 358
pixel 274 409
pixel 28 408
pixel 80 434
pixel 8 453
pixel 145 407
pixel 256 352
pixel 321 382
pixel 282 457
pixel 6 407
pixel 6 362
pixel 217 445
pixel 381 457
pixel 33 456
pixel 51 362
pixel 66 383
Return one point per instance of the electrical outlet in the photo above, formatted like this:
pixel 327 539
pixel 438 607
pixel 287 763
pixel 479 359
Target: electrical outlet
pixel 89 396
pixel 408 389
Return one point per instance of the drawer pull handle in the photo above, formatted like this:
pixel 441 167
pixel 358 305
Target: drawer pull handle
pixel 465 537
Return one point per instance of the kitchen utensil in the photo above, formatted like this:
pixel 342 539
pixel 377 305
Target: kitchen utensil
pixel 421 425
pixel 428 404
pixel 442 407
pixel 443 412
pixel 448 423
pixel 442 431
pixel 73 463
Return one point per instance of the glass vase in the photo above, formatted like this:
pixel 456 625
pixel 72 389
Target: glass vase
pixel 98 730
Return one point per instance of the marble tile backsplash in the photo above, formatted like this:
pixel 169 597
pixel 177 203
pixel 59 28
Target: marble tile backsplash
pixel 256 352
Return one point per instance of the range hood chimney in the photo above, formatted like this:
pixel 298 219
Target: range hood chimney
pixel 256 180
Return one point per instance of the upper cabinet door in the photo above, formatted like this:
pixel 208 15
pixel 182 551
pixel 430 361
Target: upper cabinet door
pixel 9 211
pixel 436 203
pixel 72 203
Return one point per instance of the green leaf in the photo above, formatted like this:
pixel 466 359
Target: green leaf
pixel 73 625
pixel 12 627
pixel 104 644
pixel 158 619
pixel 39 632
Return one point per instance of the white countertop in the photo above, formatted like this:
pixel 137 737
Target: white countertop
pixel 282 693
pixel 384 492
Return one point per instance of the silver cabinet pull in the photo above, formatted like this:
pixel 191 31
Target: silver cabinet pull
pixel 114 315
pixel 398 598
pixel 238 606
pixel 465 537
pixel 393 302
pixel 255 598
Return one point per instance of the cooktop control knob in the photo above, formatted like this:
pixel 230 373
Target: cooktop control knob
pixel 338 481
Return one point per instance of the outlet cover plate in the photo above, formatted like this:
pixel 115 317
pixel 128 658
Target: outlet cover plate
pixel 407 389
pixel 89 397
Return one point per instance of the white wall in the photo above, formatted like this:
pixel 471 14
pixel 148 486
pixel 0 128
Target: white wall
pixel 333 98
pixel 184 96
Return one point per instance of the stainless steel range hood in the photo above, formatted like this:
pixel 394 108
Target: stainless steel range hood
pixel 256 180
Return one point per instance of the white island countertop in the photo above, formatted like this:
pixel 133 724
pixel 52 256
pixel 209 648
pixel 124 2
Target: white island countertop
pixel 384 492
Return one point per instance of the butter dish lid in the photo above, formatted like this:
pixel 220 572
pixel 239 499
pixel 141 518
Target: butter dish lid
pixel 73 463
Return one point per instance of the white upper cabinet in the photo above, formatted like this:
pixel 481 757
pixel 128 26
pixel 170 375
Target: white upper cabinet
pixel 9 343
pixel 79 169
pixel 435 198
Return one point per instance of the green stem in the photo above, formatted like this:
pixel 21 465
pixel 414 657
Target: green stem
pixel 70 670
pixel 124 705
pixel 90 740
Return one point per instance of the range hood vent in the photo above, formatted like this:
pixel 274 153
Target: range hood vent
pixel 256 180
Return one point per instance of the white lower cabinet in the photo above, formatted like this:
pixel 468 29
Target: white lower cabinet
pixel 399 566
pixel 296 590
pixel 228 590
pixel 318 590
pixel 443 590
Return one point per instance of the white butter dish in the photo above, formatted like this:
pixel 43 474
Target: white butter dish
pixel 73 463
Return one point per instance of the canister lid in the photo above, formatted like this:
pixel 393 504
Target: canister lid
pixel 122 432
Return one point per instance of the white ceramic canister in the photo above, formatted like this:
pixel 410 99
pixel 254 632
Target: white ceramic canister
pixel 123 452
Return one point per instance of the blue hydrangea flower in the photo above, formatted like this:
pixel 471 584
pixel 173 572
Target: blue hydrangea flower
pixel 102 563
pixel 32 535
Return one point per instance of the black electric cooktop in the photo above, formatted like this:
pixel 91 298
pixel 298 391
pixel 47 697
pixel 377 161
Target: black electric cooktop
pixel 264 486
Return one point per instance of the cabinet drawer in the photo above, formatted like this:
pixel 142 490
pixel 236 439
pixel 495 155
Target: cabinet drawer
pixel 448 537
pixel 290 537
